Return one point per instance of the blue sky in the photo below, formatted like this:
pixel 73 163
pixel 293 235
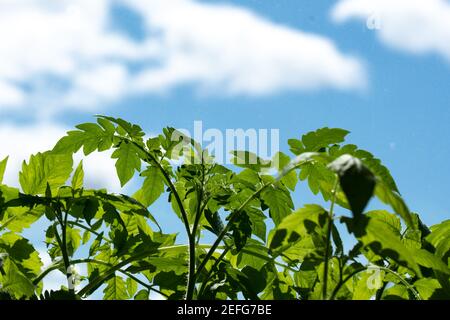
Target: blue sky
pixel 389 86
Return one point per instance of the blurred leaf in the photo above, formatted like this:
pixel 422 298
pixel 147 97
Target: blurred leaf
pixel 356 181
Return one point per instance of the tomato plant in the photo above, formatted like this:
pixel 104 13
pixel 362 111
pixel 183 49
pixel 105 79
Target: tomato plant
pixel 262 248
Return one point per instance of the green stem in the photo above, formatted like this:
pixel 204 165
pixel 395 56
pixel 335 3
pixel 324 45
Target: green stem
pixel 152 160
pixel 56 266
pixel 351 275
pixel 234 214
pixel 81 261
pixel 192 243
pixel 191 234
pixel 402 280
pixel 95 282
pixel 328 241
pixel 62 242
pixel 222 234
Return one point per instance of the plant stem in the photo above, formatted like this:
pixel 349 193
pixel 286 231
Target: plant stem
pixel 328 241
pixel 88 260
pixel 405 283
pixel 93 284
pixel 191 234
pixel 192 243
pixel 227 227
pixel 152 160
pixel 63 245
pixel 238 211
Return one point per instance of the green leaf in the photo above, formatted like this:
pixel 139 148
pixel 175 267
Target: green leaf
pixel 127 161
pixel 215 222
pixel 2 168
pixel 393 198
pixel 78 176
pixel 132 287
pixel 440 239
pixel 301 233
pixel 90 136
pixel 152 188
pixel 15 282
pixel 73 240
pixel 279 202
pixel 361 290
pixel 391 220
pixel 356 181
pixel 16 218
pixel 115 289
pixel 374 164
pixel 142 295
pixel 316 140
pixel 246 159
pixel 254 255
pixel 427 288
pixel 44 168
pixel 22 253
pixel 132 130
pixel 322 179
pixel 378 235
pixel 241 229
pixel 90 208
pixel 258 224
pixel 441 270
pixel 178 265
pixel 282 161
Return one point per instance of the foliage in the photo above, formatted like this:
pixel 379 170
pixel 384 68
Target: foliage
pixel 263 248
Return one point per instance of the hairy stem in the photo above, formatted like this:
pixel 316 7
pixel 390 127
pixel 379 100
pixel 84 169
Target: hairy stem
pixel 192 250
pixel 62 242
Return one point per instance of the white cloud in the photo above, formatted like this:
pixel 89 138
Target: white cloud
pixel 20 141
pixel 415 26
pixel 56 54
pixel 10 95
pixel 231 49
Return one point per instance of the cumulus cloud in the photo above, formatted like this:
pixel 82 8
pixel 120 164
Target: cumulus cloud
pixel 415 26
pixel 20 141
pixel 232 49
pixel 56 54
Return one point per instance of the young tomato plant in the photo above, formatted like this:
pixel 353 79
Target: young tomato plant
pixel 128 256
